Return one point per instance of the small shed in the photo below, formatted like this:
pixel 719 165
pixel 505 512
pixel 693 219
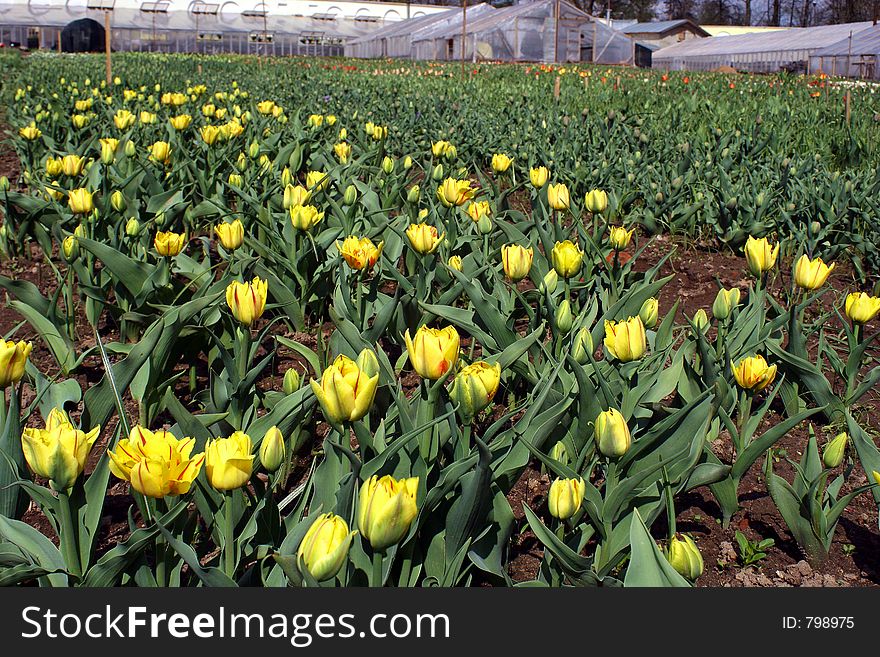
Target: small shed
pixel 665 33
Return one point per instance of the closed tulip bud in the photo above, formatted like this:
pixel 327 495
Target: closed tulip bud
pixel 348 387
pixel 13 359
pixel 619 237
pixel 4 184
pixel 295 195
pixel 305 217
pixel 70 248
pixel 433 352
pixel 649 312
pixel 388 165
pixel 861 307
pixel 359 252
pixel 230 235
pixel 407 163
pixel 596 201
pixel 760 255
pixel 558 196
pixel 350 196
pixel 424 238
pixel 474 388
pixel 235 180
pixel 811 274
pixel 815 227
pixel 517 261
pixel 835 450
pixel 291 381
pixel 625 340
pixel 560 453
pixel 437 173
pixel 272 450
pixel 117 200
pixel 725 302
pixel 254 150
pixel 80 201
pixel 132 227
pixel 612 433
pixel 583 346
pixel 324 547
pixel 550 282
pixel 386 509
pixel 229 462
pixel 567 258
pixel 753 373
pixel 501 162
pixel 563 319
pixel 701 320
pixel 539 176
pixel 169 244
pixel 484 225
pixel 565 497
pixel 247 300
pixel 130 149
pixel 684 556
pixel 108 150
pixel 412 196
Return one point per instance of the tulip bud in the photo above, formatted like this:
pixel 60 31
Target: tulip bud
pixel 725 302
pixel 117 200
pixel 437 173
pixel 596 201
pixel 835 450
pixel 484 225
pixel 324 548
pixel 130 149
pixel 684 556
pixel 286 177
pixel 70 248
pixel 132 227
pixel 291 381
pixel 4 184
pixel 559 453
pixel 701 320
pixel 583 346
pixel 413 195
pixel 549 282
pixel 350 196
pixel 386 509
pixel 272 450
pixel 563 319
pixel 649 312
pixel 254 150
pixel 565 497
pixel 407 163
pixel 388 165
pixel 474 388
pixel 612 433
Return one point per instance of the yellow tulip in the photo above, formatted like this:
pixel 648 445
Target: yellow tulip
pixel 596 201
pixel 343 152
pixel 13 358
pixel 433 352
pixel 753 373
pixel 210 134
pixel 168 243
pixel 565 497
pixel 861 307
pixel 453 192
pixel 386 509
pixel 517 261
pixel 684 556
pixel 501 162
pixel 72 165
pixel 324 548
pixel 567 258
pixel 229 462
pixel 231 235
pixel 360 253
pixel 160 152
pixel 811 274
pixel 295 195
pixel 539 176
pixel 443 149
pixel 54 167
pixel 265 107
pixel 315 120
pixel 58 452
pixel 123 119
pixel 625 340
pixel 423 238
pixel 474 388
pixel 181 121
pixel 348 387
pixel 558 197
pixel 620 237
pixel 760 255
pixel 454 262
pixel 80 201
pixel 157 463
pixel 147 118
pixel 247 300
pixel 476 210
pixel 612 433
pixel 305 217
pixel 317 180
pixel 30 132
pixel 272 450
pixel 109 146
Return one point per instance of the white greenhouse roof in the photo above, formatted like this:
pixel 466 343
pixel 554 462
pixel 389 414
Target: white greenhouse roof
pixel 865 42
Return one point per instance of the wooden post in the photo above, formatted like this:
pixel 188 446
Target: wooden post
pixel 556 34
pixel 107 35
pixel 463 34
pixel 556 87
pixel 59 42
pixel 846 106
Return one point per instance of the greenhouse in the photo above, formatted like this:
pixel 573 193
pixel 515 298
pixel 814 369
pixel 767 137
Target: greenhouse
pixel 292 27
pixel 856 56
pixel 764 52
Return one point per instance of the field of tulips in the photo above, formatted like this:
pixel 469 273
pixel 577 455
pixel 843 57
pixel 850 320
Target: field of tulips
pixel 337 323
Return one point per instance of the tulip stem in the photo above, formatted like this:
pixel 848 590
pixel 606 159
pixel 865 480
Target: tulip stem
pixel 229 538
pixel 376 579
pixel 68 535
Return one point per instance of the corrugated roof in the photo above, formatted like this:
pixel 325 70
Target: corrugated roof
pixel 657 27
pixel 866 42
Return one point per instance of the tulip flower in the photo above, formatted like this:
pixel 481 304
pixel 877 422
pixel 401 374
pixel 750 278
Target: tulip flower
pixel 517 261
pixel 295 195
pixel 72 165
pixel 453 192
pixel 760 255
pixel 58 452
pixel 317 180
pixel 70 248
pixel 596 201
pixel 180 122
pixel 348 387
pixel 567 258
pixel 432 352
pixel 343 152
pixel 30 132
pixel 476 210
pixel 562 319
pixel 454 262
pixel 539 176
pixel 230 235
pixel 474 388
pixel 424 238
pixel 558 196
pixel 123 119
pixel 117 201
pixel 386 509
pixel 54 167
pixel 753 373
pixel 811 274
pixel 156 463
pixel 565 497
pixel 324 548
pixel 272 450
pixel 109 146
pixel 315 120
pixel 305 217
pixel 649 312
pixel 247 300
pixel 168 243
pixel 13 358
pixel 160 152
pixel 701 320
pixel 725 302
pixel 619 237
pixel 443 149
pixel 684 556
pixel 359 252
pixel 229 462
pixel 612 433
pixel 625 340
pixel 210 134
pixel 147 118
pixel 80 201
pixel 501 162
pixel 861 308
